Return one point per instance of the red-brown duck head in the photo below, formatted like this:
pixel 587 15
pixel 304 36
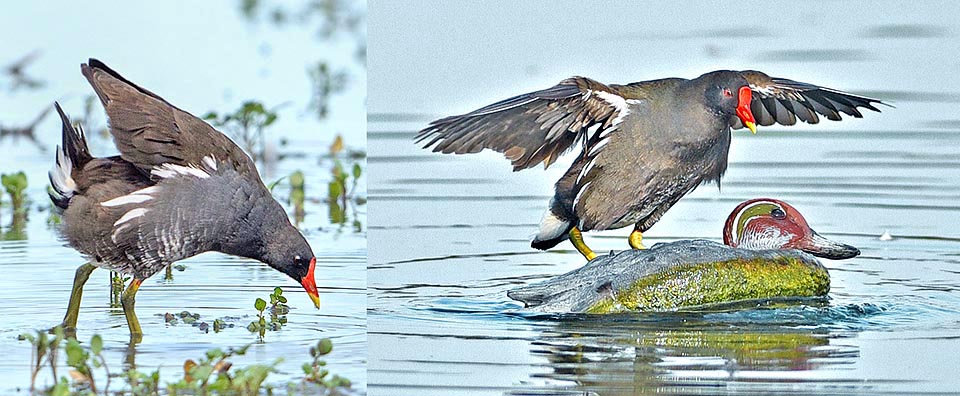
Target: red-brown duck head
pixel 766 223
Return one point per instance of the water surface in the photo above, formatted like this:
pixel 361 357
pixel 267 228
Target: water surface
pixel 452 232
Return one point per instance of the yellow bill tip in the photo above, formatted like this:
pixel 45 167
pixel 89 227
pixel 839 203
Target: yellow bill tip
pixel 751 126
pixel 316 300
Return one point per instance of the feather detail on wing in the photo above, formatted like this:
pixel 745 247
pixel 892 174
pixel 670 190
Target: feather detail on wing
pixel 783 101
pixel 534 127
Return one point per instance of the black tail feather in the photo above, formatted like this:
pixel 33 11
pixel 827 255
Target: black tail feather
pixel 74 143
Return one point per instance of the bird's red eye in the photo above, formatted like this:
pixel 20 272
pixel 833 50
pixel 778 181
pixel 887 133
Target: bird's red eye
pixel 727 93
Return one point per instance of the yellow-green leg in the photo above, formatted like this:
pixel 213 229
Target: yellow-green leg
pixel 636 239
pixel 577 239
pixel 127 300
pixel 73 307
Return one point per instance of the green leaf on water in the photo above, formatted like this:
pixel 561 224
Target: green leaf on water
pixel 96 344
pixel 357 171
pixel 260 305
pixel 278 291
pixel 74 353
pixel 325 346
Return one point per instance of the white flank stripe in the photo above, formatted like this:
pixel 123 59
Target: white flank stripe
pixel 576 199
pixel 132 214
pixel 167 171
pixel 621 105
pixel 141 195
pixel 126 199
pixel 586 169
pixel 210 161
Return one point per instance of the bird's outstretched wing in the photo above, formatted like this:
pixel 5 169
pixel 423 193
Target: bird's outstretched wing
pixel 150 132
pixel 534 127
pixel 783 101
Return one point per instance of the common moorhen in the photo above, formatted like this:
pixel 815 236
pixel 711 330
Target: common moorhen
pixel 642 146
pixel 178 188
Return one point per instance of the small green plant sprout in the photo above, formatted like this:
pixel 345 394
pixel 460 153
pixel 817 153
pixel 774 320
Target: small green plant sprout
pixel 316 372
pixel 117 286
pixel 44 352
pixel 278 303
pixel 297 195
pixel 212 375
pixel 247 124
pixel 341 190
pixel 218 325
pixel 278 314
pixel 15 184
pixel 83 361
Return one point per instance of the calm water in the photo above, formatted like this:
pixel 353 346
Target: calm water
pixel 451 232
pixel 216 67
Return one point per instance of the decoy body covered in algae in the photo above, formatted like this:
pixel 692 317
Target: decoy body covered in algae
pixel 178 188
pixel 767 255
pixel 642 146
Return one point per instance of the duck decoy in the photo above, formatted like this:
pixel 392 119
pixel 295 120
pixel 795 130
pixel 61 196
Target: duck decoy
pixel 766 255
pixel 642 146
pixel 178 188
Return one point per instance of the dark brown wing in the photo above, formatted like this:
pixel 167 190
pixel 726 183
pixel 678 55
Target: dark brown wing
pixel 783 101
pixel 534 127
pixel 150 132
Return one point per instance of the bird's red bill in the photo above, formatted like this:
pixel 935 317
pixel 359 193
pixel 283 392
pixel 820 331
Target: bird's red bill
pixel 310 285
pixel 743 109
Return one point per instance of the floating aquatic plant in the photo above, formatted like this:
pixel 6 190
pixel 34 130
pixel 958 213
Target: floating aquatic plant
pixel 277 314
pixel 15 184
pixel 212 374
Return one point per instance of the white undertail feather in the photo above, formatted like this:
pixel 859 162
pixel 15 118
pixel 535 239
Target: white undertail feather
pixel 63 183
pixel 551 227
pixel 169 170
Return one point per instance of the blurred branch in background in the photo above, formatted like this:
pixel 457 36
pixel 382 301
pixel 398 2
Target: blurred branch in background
pixel 14 78
pixel 17 77
pixel 333 20
pixel 27 131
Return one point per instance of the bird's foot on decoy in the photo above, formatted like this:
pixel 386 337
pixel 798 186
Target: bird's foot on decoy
pixel 636 239
pixel 128 300
pixel 576 238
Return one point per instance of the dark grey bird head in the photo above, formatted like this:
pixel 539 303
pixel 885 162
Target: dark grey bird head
pixel 287 251
pixel 729 94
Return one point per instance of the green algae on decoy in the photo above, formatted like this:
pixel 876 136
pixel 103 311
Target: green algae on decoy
pixel 769 254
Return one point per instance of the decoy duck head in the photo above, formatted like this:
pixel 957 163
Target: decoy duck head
pixel 766 223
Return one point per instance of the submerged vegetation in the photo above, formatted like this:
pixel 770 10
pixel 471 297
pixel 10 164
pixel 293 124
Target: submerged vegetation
pixel 212 374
